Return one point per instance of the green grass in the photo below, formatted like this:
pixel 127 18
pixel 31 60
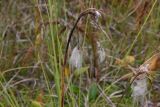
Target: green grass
pixel 45 28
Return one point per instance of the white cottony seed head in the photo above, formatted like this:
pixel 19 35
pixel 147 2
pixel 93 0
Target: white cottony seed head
pixel 98 14
pixel 139 88
pixel 101 53
pixel 76 58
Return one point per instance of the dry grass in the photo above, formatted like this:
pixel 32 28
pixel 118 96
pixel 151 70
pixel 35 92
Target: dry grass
pixel 34 36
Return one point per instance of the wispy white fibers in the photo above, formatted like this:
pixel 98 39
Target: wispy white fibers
pixel 139 88
pixel 76 58
pixel 101 53
pixel 98 14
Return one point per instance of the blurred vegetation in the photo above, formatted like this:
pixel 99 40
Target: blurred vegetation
pixel 33 37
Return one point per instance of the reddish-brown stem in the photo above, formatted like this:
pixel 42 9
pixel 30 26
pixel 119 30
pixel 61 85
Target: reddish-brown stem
pixel 91 11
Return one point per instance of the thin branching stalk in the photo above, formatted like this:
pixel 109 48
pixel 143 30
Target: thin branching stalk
pixel 91 11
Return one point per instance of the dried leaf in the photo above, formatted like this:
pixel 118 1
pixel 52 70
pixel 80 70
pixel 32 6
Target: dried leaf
pixel 125 61
pixel 38 40
pixel 151 65
pixel 67 72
